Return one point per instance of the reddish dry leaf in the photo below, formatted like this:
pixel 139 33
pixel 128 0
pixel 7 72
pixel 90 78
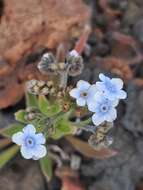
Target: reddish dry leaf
pixel 88 151
pixel 71 184
pixel 25 27
pixel 34 23
pixel 80 45
pixel 70 179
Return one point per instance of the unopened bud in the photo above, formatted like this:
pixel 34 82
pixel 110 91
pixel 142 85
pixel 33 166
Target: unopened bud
pixel 30 116
pixel 44 91
pixel 46 64
pixel 75 63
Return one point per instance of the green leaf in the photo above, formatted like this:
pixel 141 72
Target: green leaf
pixel 9 131
pixel 20 116
pixel 31 100
pixel 62 128
pixel 46 167
pixel 6 155
pixel 47 108
pixel 54 109
pixel 43 104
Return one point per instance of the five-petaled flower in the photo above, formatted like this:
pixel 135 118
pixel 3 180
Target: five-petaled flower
pixel 101 98
pixel 84 93
pixel 31 143
pixel 111 88
pixel 104 110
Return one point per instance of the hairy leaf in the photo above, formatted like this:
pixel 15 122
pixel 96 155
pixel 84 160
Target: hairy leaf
pixel 62 128
pixel 6 155
pixel 47 108
pixel 31 100
pixel 43 104
pixel 46 167
pixel 9 131
pixel 20 116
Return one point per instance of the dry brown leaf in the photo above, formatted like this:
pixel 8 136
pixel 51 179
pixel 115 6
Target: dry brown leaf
pixel 27 24
pixel 80 45
pixel 4 142
pixel 89 152
pixel 70 179
pixel 25 27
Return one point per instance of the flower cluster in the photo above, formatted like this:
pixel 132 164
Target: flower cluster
pixel 32 144
pixel 101 98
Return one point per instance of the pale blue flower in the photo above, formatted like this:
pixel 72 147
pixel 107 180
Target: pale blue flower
pixel 31 143
pixel 104 110
pixel 84 93
pixel 111 88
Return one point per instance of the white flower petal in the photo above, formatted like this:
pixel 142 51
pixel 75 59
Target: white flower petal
pixel 35 158
pixel 18 138
pixel 100 86
pixel 122 94
pixel 102 77
pixel 40 151
pixel 97 120
pixel 75 93
pixel 29 129
pixel 83 85
pixel 26 153
pixel 40 139
pixel 115 102
pixel 81 102
pixel 92 91
pixel 91 106
pixel 118 82
pixel 112 115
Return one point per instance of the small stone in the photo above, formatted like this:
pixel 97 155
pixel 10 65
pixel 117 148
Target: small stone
pixel 75 162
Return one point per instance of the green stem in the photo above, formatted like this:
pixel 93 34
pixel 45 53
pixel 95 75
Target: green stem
pixel 82 123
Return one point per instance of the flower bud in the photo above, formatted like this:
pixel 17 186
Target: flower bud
pixel 47 64
pixel 75 63
pixel 39 87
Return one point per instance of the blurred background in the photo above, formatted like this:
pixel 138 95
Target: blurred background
pixel 31 27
